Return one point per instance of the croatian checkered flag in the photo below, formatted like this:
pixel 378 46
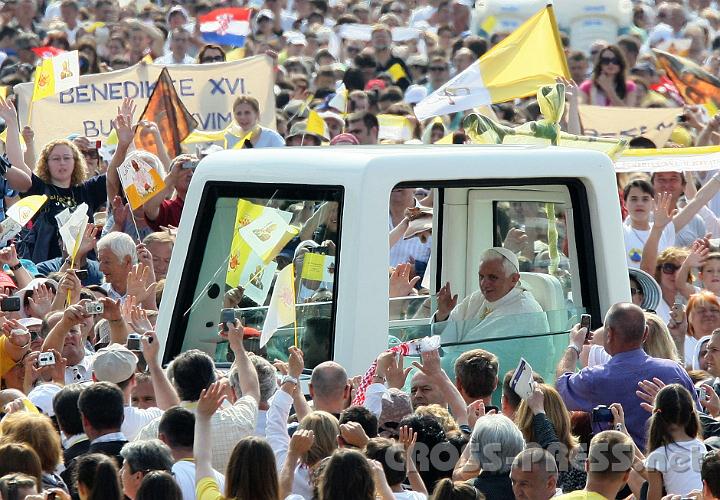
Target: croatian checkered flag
pixel 410 348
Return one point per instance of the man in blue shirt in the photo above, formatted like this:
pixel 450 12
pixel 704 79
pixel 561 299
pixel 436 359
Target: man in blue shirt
pixel 617 380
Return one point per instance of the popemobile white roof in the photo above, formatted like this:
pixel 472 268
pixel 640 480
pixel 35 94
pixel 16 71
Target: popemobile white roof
pixel 338 164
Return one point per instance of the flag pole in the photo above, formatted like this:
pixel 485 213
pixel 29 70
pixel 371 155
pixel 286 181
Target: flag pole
pixel 294 305
pixel 132 217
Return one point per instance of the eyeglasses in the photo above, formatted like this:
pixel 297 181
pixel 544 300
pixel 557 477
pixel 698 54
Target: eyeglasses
pixel 610 60
pixel 60 158
pixel 438 68
pixel 212 59
pixel 669 268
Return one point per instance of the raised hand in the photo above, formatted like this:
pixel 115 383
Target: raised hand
pixel 232 297
pixel 407 438
pixel 150 346
pixel 210 400
pixel 301 442
pixel 88 241
pixel 664 211
pixel 430 364
pixel 28 134
pixel 139 320
pixel 120 211
pixel 446 302
pixel 390 365
pixel 8 112
pixel 41 301
pixel 401 285
pixel 536 401
pixel 140 282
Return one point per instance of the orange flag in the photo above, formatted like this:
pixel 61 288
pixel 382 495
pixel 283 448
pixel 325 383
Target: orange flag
pixel 173 120
pixel 696 85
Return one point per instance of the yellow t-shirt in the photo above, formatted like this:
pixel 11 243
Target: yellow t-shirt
pixel 207 489
pixel 6 362
pixel 581 495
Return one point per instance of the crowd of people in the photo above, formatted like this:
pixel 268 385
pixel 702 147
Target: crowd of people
pixel 88 411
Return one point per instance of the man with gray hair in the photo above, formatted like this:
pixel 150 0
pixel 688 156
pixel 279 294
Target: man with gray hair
pixel 494 444
pixel 500 294
pixel 267 378
pixel 117 255
pixel 141 457
pixel 534 475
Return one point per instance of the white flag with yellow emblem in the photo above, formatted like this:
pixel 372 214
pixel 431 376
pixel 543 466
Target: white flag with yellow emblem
pixel 282 304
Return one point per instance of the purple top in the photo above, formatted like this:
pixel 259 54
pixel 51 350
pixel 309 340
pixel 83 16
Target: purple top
pixel 616 382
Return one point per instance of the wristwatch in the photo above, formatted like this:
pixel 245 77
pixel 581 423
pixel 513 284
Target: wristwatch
pixel 16 266
pixel 574 348
pixel 289 378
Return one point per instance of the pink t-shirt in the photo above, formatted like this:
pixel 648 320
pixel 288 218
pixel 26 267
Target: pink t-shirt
pixel 597 97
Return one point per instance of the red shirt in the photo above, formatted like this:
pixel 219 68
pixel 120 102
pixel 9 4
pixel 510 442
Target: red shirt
pixel 169 214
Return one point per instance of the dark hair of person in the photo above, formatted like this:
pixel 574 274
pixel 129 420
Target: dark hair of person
pixel 256 482
pixel 673 407
pixel 191 372
pixel 103 405
pixel 99 475
pixel 158 485
pixel 347 475
pixel 177 425
pixel 367 419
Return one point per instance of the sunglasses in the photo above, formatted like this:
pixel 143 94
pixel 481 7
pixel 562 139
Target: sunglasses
pixel 91 153
pixel 212 59
pixel 610 60
pixel 438 68
pixel 636 291
pixel 669 268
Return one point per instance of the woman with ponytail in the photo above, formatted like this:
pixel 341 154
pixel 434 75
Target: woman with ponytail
pixel 97 478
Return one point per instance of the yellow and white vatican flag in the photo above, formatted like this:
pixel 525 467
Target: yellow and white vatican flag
pixel 529 57
pixel 72 226
pixel 56 74
pixel 18 215
pixel 340 99
pixel 282 305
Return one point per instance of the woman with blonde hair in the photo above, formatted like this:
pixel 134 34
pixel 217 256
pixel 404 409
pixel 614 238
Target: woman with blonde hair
pixel 666 273
pixel 659 342
pixel 701 317
pixel 545 420
pixel 37 431
pixel 61 174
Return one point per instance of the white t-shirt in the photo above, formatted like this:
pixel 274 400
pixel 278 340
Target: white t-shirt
pixel 680 464
pixel 409 495
pixel 635 240
pixel 184 473
pixel 136 419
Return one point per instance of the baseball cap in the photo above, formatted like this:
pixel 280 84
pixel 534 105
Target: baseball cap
pixel 114 363
pixel 42 397
pixel 28 322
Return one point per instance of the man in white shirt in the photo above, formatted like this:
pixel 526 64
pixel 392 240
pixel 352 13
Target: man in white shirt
pixel 177 429
pixel 117 364
pixel 500 295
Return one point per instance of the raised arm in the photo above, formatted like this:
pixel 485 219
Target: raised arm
pixel 165 394
pixel 247 374
pixel 664 214
pixel 703 197
pixel 12 143
pixel 73 315
pixel 209 402
pixel 123 128
pixel 152 206
pixel 696 258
